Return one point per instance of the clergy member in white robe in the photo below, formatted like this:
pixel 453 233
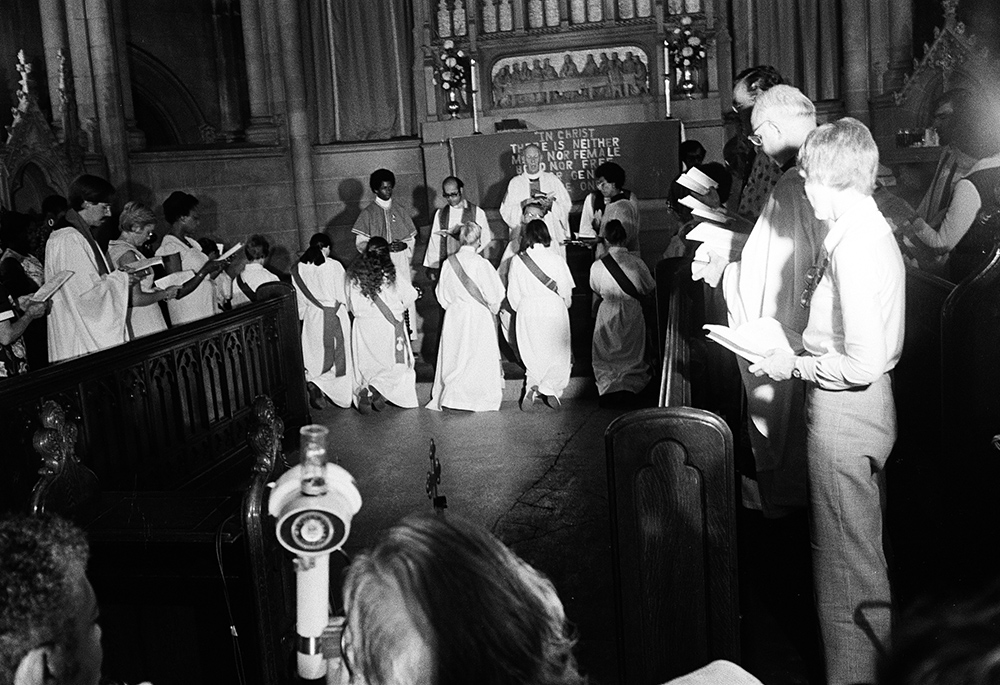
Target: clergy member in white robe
pixel 445 236
pixel 468 374
pixel 196 298
pixel 320 283
pixel 619 279
pixel 254 273
pixel 544 187
pixel 540 290
pixel 383 358
pixel 89 311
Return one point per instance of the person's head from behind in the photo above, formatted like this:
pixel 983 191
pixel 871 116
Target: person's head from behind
pixel 319 249
pixel 437 600
pixel 382 182
pixel 532 211
pixel 531 157
pixel 137 223
pixel 373 268
pixel 614 233
pixel 946 642
pixel 181 209
pixel 257 248
pixel 749 84
pixel 839 162
pixel 90 197
pixel 692 154
pixel 609 178
pixel 536 233
pixel 470 234
pixel 781 120
pixel 48 611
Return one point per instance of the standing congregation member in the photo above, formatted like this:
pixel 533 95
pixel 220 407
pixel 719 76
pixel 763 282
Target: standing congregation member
pixel 758 171
pixel 13 323
pixel 611 202
pixel 320 283
pixel 445 236
pixel 853 339
pixel 767 281
pixel 254 273
pixel 385 219
pixel 89 312
pixel 468 374
pixel 540 290
pixel 137 222
pixel 621 280
pixel 535 186
pixel 383 358
pixel 196 298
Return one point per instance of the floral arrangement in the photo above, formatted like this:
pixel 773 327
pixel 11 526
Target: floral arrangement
pixel 687 45
pixel 449 73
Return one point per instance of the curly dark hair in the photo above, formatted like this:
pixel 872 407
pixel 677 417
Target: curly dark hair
pixel 40 558
pixel 373 268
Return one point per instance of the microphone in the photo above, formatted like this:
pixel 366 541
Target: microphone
pixel 313 503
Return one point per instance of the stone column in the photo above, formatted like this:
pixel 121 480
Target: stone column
pixel 900 43
pixel 231 120
pixel 136 138
pixel 107 89
pixel 856 51
pixel 261 129
pixel 54 39
pixel 83 77
pixel 298 119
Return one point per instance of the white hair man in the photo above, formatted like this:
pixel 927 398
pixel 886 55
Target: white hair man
pixel 534 185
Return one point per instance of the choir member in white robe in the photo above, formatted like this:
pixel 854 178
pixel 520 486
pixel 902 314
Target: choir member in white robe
pixel 137 222
pixel 468 374
pixel 321 285
pixel 196 298
pixel 383 358
pixel 619 345
pixel 540 290
pixel 254 273
pixel 89 312
pixel 536 186
pixel 611 202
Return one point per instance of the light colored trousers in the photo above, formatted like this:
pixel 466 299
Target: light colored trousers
pixel 850 435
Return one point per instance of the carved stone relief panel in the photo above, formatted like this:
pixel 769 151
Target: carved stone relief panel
pixel 606 73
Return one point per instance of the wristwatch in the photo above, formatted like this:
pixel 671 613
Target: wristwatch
pixel 796 373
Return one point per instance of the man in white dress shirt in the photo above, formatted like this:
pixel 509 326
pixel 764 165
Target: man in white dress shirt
pixel 535 185
pixel 448 221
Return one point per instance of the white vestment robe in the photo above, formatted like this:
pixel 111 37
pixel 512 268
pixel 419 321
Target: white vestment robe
pixel 374 342
pixel 254 275
pixel 619 345
pixel 147 319
pixel 200 302
pixel 557 218
pixel 542 322
pixel 327 284
pixel 468 373
pixel 90 310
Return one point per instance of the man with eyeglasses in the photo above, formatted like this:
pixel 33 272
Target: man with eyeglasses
pixel 768 281
pixel 758 171
pixel 448 222
pixel 90 310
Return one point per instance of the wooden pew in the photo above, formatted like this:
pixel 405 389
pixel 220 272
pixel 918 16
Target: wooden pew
pixel 672 500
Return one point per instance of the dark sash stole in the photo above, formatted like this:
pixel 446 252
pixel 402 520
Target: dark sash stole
pixel 473 289
pixel 447 247
pixel 334 354
pixel 245 289
pixel 398 326
pixel 621 278
pixel 538 273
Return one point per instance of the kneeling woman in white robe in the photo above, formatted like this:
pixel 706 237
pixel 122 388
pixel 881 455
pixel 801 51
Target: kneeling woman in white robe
pixel 326 326
pixel 619 347
pixel 540 290
pixel 468 374
pixel 383 359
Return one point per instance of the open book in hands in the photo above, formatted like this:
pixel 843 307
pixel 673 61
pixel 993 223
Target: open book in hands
pixel 754 339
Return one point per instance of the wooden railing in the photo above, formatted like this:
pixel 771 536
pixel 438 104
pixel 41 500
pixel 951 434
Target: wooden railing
pixel 166 412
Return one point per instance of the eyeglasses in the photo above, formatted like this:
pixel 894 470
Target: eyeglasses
pixel 755 138
pixel 457 193
pixel 813 276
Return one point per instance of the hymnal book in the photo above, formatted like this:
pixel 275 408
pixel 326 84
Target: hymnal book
pixel 701 209
pixel 697 181
pixel 51 286
pixel 142 264
pixel 719 239
pixel 754 339
pixel 176 278
pixel 230 252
